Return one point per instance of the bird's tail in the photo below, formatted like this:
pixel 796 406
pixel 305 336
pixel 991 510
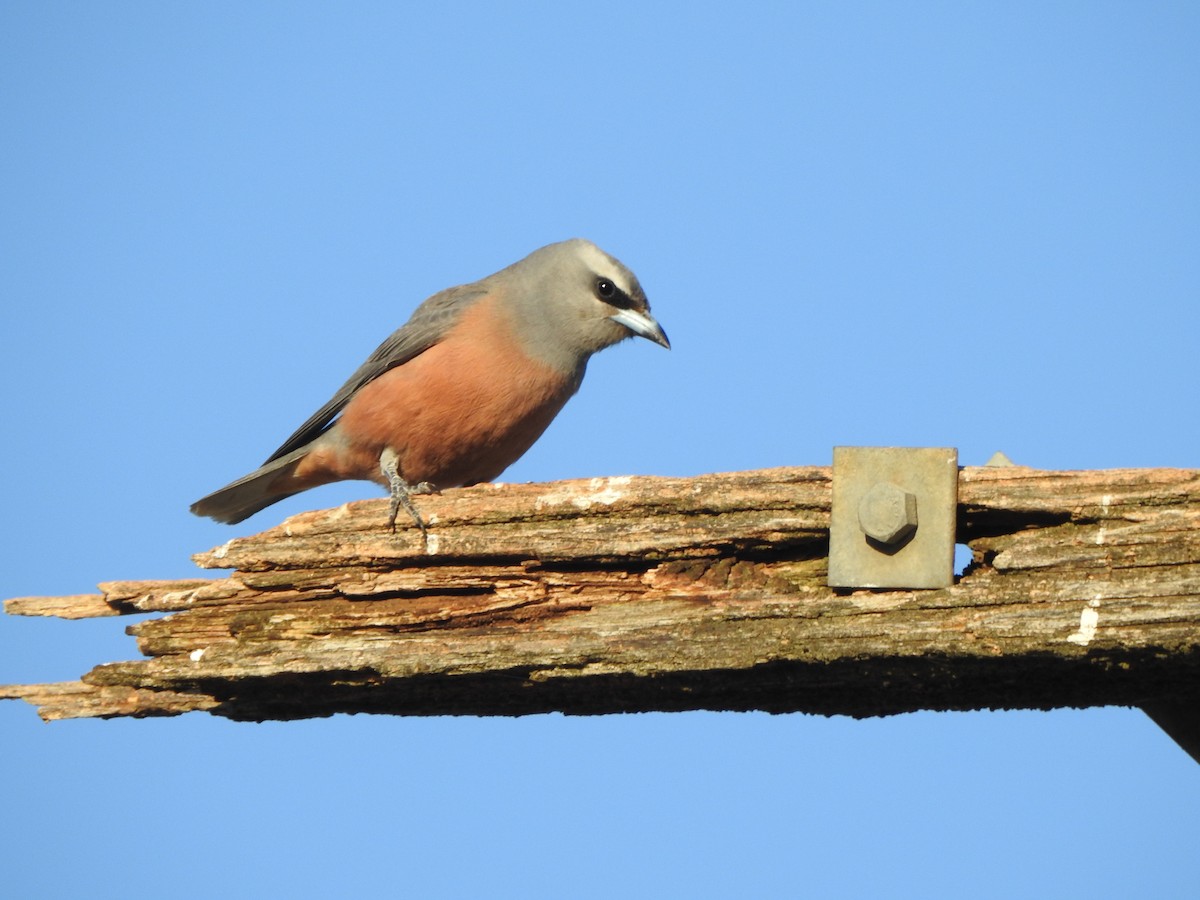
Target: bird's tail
pixel 241 499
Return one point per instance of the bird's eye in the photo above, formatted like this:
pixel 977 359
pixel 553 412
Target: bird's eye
pixel 605 289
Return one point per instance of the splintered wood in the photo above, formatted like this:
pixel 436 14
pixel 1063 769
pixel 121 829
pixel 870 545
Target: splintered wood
pixel 632 594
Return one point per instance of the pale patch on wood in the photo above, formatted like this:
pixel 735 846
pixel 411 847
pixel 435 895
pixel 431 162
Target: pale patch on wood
pixel 178 599
pixel 1089 619
pixel 601 491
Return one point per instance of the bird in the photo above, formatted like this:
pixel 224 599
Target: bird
pixel 461 390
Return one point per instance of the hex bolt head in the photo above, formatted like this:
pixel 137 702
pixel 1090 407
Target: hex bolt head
pixel 887 513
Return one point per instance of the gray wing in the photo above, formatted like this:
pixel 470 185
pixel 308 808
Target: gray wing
pixel 428 323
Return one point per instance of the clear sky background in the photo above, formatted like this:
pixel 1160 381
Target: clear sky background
pixel 934 224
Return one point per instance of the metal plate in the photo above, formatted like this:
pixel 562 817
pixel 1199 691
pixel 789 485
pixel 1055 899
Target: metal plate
pixel 875 490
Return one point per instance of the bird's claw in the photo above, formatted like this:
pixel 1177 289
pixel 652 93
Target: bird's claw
pixel 402 493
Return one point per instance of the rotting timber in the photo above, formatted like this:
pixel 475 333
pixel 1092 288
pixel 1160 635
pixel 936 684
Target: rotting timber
pixel 643 593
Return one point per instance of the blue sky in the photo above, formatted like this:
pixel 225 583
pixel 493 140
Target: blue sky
pixel 933 224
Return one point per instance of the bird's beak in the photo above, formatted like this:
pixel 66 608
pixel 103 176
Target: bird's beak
pixel 643 325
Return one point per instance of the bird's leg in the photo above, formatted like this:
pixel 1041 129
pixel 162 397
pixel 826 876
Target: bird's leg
pixel 389 465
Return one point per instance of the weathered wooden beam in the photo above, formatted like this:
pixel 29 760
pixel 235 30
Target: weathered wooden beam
pixel 629 594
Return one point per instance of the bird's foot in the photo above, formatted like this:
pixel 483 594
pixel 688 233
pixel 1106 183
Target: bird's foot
pixel 402 492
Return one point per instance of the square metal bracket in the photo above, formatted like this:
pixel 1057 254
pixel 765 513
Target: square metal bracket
pixel 893 518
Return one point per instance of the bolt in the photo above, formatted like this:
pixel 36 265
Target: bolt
pixel 887 513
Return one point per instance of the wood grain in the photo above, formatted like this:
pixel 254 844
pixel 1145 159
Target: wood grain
pixel 637 593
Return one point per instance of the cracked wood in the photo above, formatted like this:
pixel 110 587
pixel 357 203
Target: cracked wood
pixel 629 594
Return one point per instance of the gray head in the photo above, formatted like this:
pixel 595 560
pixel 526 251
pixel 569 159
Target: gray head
pixel 570 299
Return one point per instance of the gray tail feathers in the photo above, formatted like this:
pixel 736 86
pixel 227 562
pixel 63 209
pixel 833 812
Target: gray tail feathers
pixel 243 498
